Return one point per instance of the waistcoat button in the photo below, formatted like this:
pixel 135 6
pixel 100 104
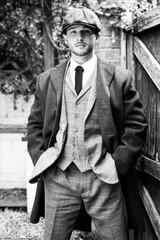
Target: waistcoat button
pixel 75 130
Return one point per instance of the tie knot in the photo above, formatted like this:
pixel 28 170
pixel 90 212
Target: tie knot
pixel 79 68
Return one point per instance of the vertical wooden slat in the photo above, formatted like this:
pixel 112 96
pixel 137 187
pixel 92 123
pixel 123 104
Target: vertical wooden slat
pixel 131 234
pixel 150 207
pixel 130 64
pixel 48 48
pixel 123 48
pixel 158 128
pixel 144 90
pixel 152 120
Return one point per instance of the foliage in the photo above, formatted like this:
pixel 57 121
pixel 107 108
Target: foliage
pixel 142 7
pixel 21 47
pixel 21 39
pixel 16 225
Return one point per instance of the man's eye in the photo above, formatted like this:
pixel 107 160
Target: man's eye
pixel 87 32
pixel 73 32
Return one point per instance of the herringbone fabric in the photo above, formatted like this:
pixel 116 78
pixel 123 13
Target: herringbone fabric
pixel 84 144
pixel 64 193
pixel 73 110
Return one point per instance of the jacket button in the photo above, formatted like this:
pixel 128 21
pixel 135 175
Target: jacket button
pixel 54 114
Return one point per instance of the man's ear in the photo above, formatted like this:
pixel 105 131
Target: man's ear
pixel 65 39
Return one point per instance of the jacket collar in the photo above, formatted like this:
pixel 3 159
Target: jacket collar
pixel 57 76
pixel 105 73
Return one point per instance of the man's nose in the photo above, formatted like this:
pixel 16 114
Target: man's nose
pixel 80 36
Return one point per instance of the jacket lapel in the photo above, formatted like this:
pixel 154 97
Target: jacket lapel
pixel 54 98
pixel 57 77
pixel 92 95
pixel 105 74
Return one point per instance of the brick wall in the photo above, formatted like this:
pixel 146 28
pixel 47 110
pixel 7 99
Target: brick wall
pixel 12 161
pixel 15 163
pixel 109 43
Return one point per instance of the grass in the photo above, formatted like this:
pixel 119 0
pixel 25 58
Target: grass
pixel 15 225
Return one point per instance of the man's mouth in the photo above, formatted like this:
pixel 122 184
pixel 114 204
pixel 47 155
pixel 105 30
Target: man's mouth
pixel 80 45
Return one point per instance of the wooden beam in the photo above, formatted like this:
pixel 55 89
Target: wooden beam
pixel 150 19
pixel 123 48
pixel 49 60
pixel 15 201
pixel 130 63
pixel 148 61
pixel 149 166
pixel 150 207
pixel 4 128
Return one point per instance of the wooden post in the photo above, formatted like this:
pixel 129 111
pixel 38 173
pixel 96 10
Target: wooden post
pixel 130 61
pixel 48 48
pixel 123 48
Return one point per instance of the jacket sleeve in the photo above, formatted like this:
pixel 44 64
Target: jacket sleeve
pixel 134 128
pixel 35 128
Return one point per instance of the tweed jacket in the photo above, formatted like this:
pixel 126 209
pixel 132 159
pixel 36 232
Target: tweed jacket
pixel 120 114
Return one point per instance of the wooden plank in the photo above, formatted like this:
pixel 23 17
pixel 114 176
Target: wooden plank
pixel 152 120
pixel 148 61
pixel 149 205
pixel 131 234
pixel 123 48
pixel 147 21
pixel 4 128
pixel 151 39
pixel 130 63
pixel 149 166
pixel 158 128
pixel 142 84
pixel 15 201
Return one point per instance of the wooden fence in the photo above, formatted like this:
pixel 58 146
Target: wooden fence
pixel 143 58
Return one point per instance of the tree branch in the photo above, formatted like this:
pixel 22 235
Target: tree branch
pixel 24 40
pixel 50 38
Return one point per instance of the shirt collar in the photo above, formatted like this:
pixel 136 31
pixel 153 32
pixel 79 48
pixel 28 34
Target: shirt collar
pixel 88 66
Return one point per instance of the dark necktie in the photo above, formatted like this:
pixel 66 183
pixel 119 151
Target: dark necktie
pixel 78 79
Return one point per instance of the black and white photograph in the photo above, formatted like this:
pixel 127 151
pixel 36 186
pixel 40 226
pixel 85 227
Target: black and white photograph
pixel 80 120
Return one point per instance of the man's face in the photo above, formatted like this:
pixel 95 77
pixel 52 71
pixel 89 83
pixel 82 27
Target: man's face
pixel 80 40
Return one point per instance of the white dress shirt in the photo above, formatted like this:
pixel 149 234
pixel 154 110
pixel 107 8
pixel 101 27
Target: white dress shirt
pixel 88 67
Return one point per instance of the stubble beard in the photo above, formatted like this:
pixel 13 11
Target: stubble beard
pixel 82 53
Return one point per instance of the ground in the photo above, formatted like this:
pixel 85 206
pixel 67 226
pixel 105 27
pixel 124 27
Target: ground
pixel 15 224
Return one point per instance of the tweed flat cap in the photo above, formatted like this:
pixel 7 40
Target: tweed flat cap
pixel 81 15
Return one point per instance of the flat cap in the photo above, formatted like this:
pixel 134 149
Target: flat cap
pixel 81 15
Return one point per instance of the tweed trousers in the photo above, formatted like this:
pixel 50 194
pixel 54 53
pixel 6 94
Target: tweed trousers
pixel 64 193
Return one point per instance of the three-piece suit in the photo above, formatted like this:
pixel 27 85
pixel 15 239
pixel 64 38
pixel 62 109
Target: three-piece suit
pixel 121 121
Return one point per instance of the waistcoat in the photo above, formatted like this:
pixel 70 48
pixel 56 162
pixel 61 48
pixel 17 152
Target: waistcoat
pixel 83 143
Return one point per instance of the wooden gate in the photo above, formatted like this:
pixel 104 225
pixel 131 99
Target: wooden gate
pixel 143 58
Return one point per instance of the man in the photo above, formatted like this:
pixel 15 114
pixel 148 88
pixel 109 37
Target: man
pixel 83 136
